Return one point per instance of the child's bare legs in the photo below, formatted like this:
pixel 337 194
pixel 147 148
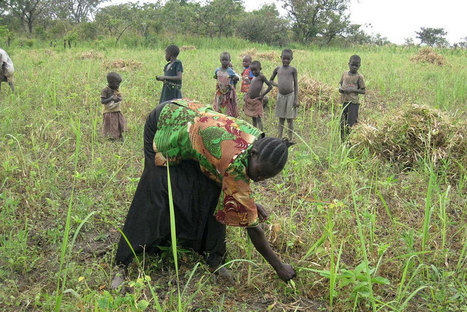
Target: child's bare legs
pixel 281 127
pixel 258 123
pixel 290 131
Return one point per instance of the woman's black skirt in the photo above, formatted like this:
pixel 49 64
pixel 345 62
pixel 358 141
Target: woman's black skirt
pixel 195 198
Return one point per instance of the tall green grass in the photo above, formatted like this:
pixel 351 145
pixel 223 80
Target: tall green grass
pixel 412 230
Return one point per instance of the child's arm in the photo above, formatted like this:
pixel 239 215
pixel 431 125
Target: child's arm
pixel 274 74
pixel 106 98
pixel 269 84
pixel 233 75
pixel 110 99
pixel 178 77
pixel 295 85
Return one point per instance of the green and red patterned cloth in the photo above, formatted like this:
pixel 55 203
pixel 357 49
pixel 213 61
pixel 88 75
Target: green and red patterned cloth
pixel 191 130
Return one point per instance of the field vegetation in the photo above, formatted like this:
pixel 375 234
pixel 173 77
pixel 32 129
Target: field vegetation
pixel 364 232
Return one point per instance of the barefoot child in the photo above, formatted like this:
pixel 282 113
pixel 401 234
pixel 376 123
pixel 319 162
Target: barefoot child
pixel 114 124
pixel 6 69
pixel 350 86
pixel 287 98
pixel 254 99
pixel 225 100
pixel 247 75
pixel 172 75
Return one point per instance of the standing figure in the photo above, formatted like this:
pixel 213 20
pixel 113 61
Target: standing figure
pixel 225 100
pixel 254 99
pixel 6 70
pixel 287 97
pixel 172 78
pixel 247 75
pixel 350 86
pixel 114 124
pixel 212 159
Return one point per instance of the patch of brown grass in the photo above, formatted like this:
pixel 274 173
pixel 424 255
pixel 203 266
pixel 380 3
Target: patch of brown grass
pixel 312 92
pixel 50 52
pixel 93 55
pixel 414 133
pixel 255 55
pixel 428 55
pixel 187 47
pixel 123 65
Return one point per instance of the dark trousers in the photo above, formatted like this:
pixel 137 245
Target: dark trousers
pixel 349 118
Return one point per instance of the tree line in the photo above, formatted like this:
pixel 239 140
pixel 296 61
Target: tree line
pixel 321 22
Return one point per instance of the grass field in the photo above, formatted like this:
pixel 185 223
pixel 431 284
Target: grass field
pixel 362 233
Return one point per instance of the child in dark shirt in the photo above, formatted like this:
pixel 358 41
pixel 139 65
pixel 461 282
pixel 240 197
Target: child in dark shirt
pixel 350 86
pixel 254 99
pixel 114 124
pixel 172 78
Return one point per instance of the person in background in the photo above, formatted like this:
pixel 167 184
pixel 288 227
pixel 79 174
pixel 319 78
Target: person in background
pixel 351 86
pixel 172 79
pixel 6 70
pixel 287 97
pixel 254 98
pixel 114 124
pixel 225 100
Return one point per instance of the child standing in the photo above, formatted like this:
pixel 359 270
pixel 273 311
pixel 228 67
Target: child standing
pixel 172 75
pixel 247 75
pixel 114 124
pixel 225 100
pixel 6 69
pixel 287 98
pixel 350 86
pixel 254 99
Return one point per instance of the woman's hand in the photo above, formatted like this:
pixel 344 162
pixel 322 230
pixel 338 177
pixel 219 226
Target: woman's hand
pixel 262 214
pixel 286 272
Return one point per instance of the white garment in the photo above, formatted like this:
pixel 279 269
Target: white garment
pixel 9 68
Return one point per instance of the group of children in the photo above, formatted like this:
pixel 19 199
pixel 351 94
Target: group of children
pixel 351 86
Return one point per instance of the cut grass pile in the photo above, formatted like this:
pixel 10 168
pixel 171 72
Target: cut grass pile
pixel 255 55
pixel 312 92
pixel 415 133
pixel 428 55
pixel 93 55
pixel 124 65
pixel 187 47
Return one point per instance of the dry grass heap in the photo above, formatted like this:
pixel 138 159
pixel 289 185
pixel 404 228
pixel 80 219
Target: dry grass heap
pixel 91 55
pixel 312 92
pixel 255 55
pixel 428 55
pixel 414 133
pixel 187 47
pixel 122 64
